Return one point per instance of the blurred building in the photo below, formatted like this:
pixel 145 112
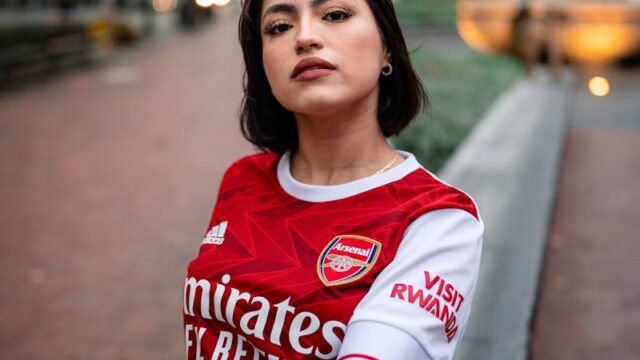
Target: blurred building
pixel 39 37
pixel 577 31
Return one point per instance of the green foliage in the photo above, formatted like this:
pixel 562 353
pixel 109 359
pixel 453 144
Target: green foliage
pixel 429 11
pixel 461 88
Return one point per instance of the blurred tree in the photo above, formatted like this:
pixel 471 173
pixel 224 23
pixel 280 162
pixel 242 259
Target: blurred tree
pixel 427 11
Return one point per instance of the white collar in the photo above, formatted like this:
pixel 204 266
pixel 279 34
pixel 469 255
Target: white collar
pixel 320 193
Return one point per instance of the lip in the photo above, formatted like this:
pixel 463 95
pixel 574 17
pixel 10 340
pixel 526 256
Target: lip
pixel 311 68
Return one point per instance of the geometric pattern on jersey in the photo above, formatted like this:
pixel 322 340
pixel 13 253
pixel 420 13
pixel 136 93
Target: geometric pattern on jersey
pixel 257 292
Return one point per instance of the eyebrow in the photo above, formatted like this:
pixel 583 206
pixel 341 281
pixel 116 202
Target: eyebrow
pixel 289 8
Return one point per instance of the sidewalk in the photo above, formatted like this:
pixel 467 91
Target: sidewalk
pixel 580 292
pixel 509 164
pixel 589 304
pixel 107 180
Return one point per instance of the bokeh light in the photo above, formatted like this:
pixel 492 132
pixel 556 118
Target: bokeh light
pixel 204 3
pixel 599 86
pixel 221 2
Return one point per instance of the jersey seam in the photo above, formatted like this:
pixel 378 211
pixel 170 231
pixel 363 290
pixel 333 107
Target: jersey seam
pixel 473 201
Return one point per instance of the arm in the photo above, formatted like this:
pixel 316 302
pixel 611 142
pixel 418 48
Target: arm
pixel 418 306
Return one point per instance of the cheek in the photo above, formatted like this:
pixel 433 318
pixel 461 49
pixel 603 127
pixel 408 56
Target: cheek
pixel 270 65
pixel 276 66
pixel 363 53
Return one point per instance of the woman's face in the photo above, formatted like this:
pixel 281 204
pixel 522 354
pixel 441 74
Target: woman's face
pixel 321 56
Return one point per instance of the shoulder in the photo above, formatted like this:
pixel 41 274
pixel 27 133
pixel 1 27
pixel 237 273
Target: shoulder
pixel 255 161
pixel 251 164
pixel 246 173
pixel 424 192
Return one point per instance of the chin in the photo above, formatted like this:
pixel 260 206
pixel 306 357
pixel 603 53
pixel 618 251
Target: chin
pixel 318 103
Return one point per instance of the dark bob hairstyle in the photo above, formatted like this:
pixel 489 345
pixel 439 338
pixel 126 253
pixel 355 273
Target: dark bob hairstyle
pixel 271 127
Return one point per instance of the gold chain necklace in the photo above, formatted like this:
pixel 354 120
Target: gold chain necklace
pixel 386 167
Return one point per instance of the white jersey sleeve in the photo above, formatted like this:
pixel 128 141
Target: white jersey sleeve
pixel 418 306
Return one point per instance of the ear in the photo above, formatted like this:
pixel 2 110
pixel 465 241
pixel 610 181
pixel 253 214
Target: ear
pixel 387 57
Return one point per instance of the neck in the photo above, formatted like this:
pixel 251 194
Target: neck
pixel 339 148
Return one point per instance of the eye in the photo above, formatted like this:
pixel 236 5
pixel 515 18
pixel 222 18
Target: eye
pixel 276 27
pixel 337 14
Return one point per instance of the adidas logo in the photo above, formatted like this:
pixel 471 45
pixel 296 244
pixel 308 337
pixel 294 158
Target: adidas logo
pixel 215 236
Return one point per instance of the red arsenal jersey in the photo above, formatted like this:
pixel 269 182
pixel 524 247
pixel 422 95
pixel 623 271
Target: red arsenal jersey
pixel 286 269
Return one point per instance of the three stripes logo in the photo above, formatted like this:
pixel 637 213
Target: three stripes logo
pixel 215 236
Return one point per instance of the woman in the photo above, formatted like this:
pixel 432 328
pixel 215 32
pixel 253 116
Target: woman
pixel 330 244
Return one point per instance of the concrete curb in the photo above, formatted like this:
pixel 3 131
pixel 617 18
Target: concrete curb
pixel 509 164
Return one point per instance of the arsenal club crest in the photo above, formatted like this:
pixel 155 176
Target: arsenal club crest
pixel 347 258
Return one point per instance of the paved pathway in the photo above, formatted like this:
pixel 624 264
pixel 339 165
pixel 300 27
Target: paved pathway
pixel 107 180
pixel 589 306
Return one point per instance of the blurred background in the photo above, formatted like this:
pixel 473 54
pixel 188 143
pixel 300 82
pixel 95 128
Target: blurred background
pixel 118 118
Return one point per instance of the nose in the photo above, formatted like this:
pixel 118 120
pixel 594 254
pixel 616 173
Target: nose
pixel 307 38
